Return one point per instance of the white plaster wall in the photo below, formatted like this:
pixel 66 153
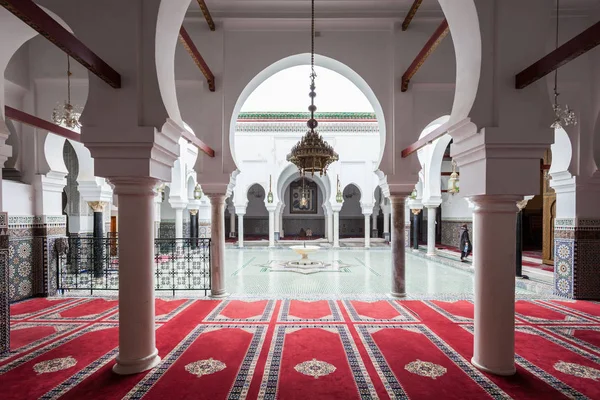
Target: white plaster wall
pixel 17 198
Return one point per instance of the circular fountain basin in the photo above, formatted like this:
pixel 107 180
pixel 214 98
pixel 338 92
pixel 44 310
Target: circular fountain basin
pixel 304 251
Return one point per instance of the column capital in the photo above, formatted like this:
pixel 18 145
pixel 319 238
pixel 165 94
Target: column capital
pixel 134 186
pixel 193 212
pixel 97 206
pixel 416 211
pixel 217 198
pixel 496 203
pixel 432 204
pixel 398 199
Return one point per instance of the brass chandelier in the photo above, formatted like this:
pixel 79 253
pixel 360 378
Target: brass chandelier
pixel 67 114
pixel 312 154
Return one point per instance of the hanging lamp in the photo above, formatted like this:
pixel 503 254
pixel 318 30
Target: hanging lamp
pixel 198 192
pixel 339 197
pixel 270 195
pixel 453 180
pixel 67 114
pixel 312 154
pixel 563 116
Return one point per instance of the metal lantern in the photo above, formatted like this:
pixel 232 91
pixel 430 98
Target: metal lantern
pixel 198 192
pixel 339 197
pixel 270 195
pixel 413 195
pixel 453 180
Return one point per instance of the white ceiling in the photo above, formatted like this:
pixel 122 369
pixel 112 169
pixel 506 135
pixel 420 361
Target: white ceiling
pixel 343 8
pixel 323 8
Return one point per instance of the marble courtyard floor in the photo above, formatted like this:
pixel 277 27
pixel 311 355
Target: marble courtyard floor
pixel 351 273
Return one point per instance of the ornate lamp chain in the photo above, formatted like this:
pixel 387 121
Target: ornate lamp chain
pixel 556 47
pixel 563 116
pixel 312 154
pixel 313 74
pixel 68 79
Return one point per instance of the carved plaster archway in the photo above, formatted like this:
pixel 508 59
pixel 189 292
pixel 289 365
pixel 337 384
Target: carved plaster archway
pixel 304 59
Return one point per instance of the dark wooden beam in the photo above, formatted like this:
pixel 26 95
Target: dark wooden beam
pixel 207 16
pixel 424 141
pixel 32 120
pixel 198 143
pixel 29 12
pixel 195 54
pixel 569 51
pixel 433 42
pixel 411 14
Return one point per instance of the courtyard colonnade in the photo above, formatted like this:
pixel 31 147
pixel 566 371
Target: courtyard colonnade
pixel 138 147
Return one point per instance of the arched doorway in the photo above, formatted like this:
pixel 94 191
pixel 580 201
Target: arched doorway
pixel 303 216
pixel 351 217
pixel 257 216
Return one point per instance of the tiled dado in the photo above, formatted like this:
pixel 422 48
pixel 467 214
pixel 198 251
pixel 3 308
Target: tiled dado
pixel 31 255
pixel 204 229
pixel 4 277
pixel 577 257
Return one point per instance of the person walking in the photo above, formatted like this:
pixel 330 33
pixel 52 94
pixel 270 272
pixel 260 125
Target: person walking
pixel 465 243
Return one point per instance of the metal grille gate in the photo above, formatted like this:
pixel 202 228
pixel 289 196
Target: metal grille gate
pixel 92 264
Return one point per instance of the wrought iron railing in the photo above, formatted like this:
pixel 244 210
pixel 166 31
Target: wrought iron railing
pixel 92 264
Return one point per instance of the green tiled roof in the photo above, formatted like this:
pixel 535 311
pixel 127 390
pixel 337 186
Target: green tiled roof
pixel 305 115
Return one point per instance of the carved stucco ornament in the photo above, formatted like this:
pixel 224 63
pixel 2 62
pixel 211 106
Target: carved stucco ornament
pixel 97 206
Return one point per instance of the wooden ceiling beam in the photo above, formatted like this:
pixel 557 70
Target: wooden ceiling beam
pixel 207 16
pixel 569 51
pixel 32 120
pixel 433 42
pixel 30 13
pixel 195 54
pixel 198 143
pixel 424 141
pixel 36 122
pixel 411 14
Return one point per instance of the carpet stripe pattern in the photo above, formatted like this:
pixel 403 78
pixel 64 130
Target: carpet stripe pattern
pixel 299 349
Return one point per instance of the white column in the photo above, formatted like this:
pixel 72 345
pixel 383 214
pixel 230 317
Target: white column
pixel 336 229
pixel 431 230
pixel 157 217
pixel 330 227
pixel 178 223
pixel 374 224
pixel 398 250
pixel 232 221
pixel 277 222
pixel 240 230
pixel 217 245
pixel 367 230
pixel 494 221
pixel 272 228
pixel 386 224
pixel 137 342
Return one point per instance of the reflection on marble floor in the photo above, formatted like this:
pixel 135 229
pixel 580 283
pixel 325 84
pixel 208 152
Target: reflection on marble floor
pixel 364 273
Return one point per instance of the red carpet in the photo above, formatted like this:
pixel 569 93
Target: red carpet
pixel 300 349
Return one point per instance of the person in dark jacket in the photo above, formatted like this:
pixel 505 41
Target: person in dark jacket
pixel 465 243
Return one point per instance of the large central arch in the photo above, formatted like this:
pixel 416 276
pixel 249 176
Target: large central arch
pixel 304 59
